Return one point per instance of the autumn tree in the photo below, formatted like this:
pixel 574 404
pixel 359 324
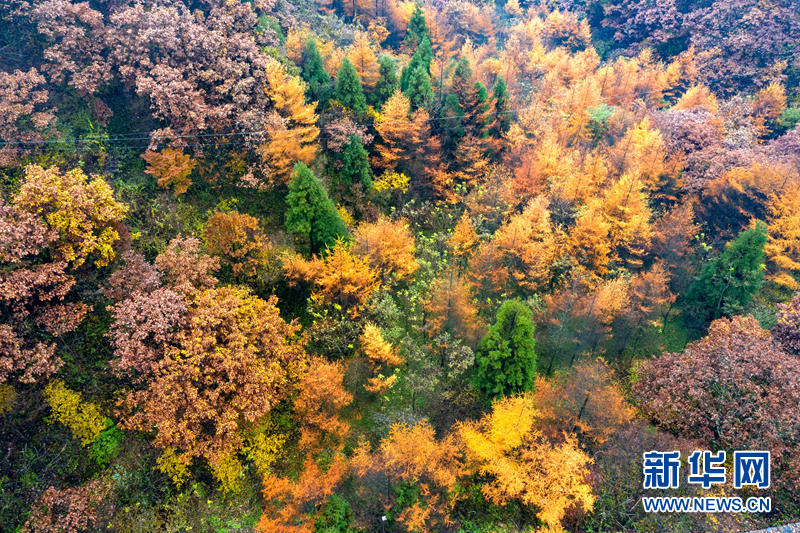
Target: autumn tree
pixel 787 329
pixel 318 81
pixel 348 88
pixel 396 130
pixel 521 465
pixel 340 279
pixel 80 209
pixel 382 356
pixel 783 244
pixel 185 267
pixel 692 393
pixel 366 64
pixel 388 246
pixel 239 241
pixel 585 400
pixel 310 213
pixel 69 510
pixel 171 168
pixel 234 361
pixel 520 255
pixel 411 456
pixel 727 283
pixel 320 400
pixel 293 130
pixel 505 362
pixel 449 309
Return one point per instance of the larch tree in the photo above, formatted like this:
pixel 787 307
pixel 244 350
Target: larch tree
pixel 389 247
pixel 349 92
pixel 171 168
pixel 238 240
pixel 783 244
pixel 505 361
pixel 310 213
pixel 294 130
pixel 365 62
pixel 520 465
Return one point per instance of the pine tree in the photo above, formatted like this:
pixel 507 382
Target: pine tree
pixel 423 56
pixel 728 282
pixel 310 212
pixel 348 88
pixel 387 82
pixel 355 164
pixel 419 89
pixel 314 74
pixel 501 117
pixel 417 28
pixel 506 357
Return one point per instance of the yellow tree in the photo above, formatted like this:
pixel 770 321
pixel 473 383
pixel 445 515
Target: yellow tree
pixel 388 246
pixel 239 241
pixel 80 209
pixel 521 252
pixel 412 454
pixel 171 168
pixel 396 129
pixel 293 131
pixel 381 356
pixel 521 465
pixel 340 279
pixel 624 207
pixel 641 152
pixel 783 245
pixel 449 308
pixel 364 60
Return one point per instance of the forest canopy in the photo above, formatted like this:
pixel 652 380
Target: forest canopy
pixel 436 265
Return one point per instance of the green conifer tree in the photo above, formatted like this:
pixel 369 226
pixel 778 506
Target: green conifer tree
pixel 348 88
pixel 318 81
pixel 419 89
pixel 727 283
pixel 355 164
pixel 424 57
pixel 506 357
pixel 417 28
pixel 387 82
pixel 501 116
pixel 310 213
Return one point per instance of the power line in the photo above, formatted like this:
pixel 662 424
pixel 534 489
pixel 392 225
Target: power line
pixel 150 138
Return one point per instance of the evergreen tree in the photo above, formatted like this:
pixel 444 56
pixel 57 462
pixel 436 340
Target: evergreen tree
pixel 424 57
pixel 417 28
pixel 506 357
pixel 310 212
pixel 387 82
pixel 355 164
pixel 348 88
pixel 419 89
pixel 728 282
pixel 452 124
pixel 317 79
pixel 501 117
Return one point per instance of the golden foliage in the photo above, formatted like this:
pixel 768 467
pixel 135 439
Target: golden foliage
pixel 81 209
pixel 171 168
pixel 82 418
pixel 8 397
pixel 391 181
pixel 697 96
pixel 380 355
pixel 364 60
pixel 342 279
pixel 292 136
pixel 524 466
pixel 388 246
pixel 238 240
pixel 449 308
pixel 520 254
pixel 783 245
pixel 320 400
